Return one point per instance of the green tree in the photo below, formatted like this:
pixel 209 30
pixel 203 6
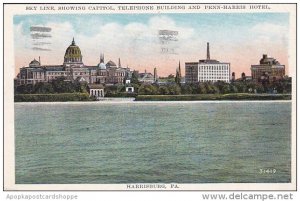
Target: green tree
pixel 163 90
pixel 171 76
pixel 147 89
pixel 241 87
pixel 43 88
pixel 177 78
pixel 59 85
pixel 223 87
pixel 233 88
pixel 80 86
pixel 186 89
pixel 211 89
pixel 201 88
pixel 25 89
pixel 134 78
pixel 174 89
pixel 226 89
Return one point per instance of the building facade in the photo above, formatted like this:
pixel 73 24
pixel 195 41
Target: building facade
pixel 268 68
pixel 207 70
pixel 96 90
pixel 73 69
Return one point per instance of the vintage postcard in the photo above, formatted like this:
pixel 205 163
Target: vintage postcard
pixel 150 96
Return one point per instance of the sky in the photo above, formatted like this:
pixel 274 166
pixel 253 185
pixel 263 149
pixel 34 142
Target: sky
pixel 238 38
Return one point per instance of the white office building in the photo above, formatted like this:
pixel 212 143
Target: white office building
pixel 207 70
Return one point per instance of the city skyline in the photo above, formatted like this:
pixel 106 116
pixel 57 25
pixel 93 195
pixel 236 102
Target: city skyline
pixel 135 39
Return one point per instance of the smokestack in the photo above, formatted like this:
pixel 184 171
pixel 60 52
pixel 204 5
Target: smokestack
pixel 40 60
pixel 179 70
pixel 119 64
pixel 207 53
pixel 155 75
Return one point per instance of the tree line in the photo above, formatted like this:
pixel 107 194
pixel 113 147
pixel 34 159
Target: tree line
pixel 280 86
pixel 60 85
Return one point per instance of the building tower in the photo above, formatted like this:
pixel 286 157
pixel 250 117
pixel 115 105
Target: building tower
pixel 101 64
pixel 178 74
pixel 207 52
pixel 179 70
pixel 155 75
pixel 243 76
pixel 101 58
pixel 119 63
pixel 233 76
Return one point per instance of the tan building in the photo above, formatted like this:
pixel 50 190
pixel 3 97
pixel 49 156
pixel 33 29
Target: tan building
pixel 268 68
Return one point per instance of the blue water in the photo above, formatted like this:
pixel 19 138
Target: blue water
pixel 197 142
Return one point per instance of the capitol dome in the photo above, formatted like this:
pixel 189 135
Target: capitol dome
pixel 73 54
pixel 102 66
pixel 34 63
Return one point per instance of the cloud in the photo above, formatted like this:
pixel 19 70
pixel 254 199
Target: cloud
pixel 269 28
pixel 270 34
pixel 138 44
pixel 22 41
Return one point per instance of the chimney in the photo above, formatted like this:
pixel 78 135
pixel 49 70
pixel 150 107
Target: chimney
pixel 179 70
pixel 40 60
pixel 119 64
pixel 233 76
pixel 207 53
pixel 155 75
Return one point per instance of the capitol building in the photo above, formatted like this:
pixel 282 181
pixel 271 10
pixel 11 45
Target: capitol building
pixel 74 69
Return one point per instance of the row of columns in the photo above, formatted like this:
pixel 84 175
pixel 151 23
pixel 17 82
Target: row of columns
pixel 97 92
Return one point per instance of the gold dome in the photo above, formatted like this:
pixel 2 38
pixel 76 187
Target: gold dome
pixel 73 54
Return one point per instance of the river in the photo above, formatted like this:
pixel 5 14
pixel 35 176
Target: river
pixel 153 142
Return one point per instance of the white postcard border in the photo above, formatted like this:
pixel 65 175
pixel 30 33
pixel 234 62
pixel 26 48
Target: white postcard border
pixel 9 168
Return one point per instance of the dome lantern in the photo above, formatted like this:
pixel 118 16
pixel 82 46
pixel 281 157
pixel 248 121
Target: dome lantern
pixel 73 41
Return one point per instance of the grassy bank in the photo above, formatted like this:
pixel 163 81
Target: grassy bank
pixel 197 97
pixel 61 97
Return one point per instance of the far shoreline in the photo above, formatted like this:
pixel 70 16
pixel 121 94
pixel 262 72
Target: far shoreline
pixel 151 102
pixel 236 97
pixel 215 97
